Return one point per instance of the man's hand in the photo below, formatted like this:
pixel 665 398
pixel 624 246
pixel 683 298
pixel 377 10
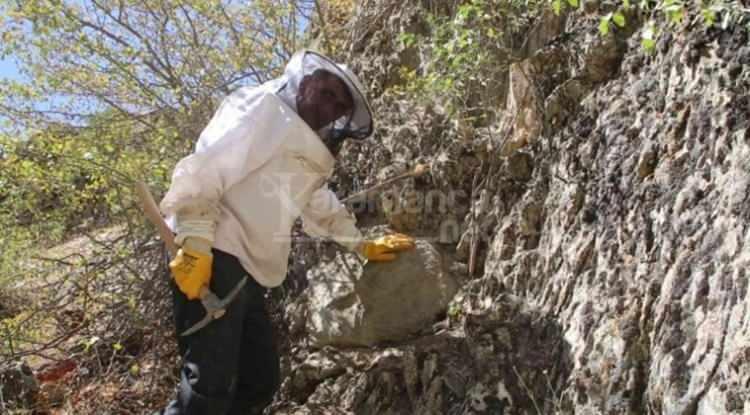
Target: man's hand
pixel 191 267
pixel 385 247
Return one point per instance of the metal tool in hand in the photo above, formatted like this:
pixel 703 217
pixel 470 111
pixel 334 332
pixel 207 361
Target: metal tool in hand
pixel 215 307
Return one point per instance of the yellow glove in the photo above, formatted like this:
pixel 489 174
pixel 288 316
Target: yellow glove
pixel 191 267
pixel 384 248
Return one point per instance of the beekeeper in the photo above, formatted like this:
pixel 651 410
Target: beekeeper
pixel 261 162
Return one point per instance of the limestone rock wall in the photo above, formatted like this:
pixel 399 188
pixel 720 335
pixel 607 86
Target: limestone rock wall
pixel 642 226
pixel 607 227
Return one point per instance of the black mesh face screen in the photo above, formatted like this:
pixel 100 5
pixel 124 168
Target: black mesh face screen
pixel 333 141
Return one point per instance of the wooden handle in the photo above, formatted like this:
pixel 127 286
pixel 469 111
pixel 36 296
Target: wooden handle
pixel 151 210
pixel 418 170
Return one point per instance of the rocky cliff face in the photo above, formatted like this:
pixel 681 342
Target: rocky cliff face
pixel 640 212
pixel 601 230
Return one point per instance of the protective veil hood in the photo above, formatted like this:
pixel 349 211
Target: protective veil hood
pixel 358 124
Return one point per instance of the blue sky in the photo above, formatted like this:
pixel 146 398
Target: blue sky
pixel 8 69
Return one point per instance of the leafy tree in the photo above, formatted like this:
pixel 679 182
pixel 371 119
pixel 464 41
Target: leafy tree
pixel 140 57
pixel 333 19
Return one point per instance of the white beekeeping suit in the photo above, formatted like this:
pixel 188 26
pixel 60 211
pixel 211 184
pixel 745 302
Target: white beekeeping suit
pixel 258 166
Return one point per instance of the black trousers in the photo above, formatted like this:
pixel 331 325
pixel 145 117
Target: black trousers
pixel 231 366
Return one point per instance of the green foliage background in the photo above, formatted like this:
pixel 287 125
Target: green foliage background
pixel 474 46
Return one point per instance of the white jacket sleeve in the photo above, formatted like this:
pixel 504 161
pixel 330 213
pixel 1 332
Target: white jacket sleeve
pixel 325 216
pixel 240 138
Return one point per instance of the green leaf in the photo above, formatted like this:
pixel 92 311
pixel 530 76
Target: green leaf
pixel 648 44
pixel 90 342
pixel 619 19
pixel 676 17
pixel 709 17
pixel 648 38
pixel 573 3
pixel 604 24
pixel 557 7
pixel 408 39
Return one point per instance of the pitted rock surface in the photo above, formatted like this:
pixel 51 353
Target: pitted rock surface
pixel 355 304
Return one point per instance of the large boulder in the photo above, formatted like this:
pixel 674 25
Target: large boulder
pixel 352 303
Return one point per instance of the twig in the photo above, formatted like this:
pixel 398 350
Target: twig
pixel 57 341
pixel 322 24
pixel 60 261
pixel 474 223
pixel 527 390
pixel 10 340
